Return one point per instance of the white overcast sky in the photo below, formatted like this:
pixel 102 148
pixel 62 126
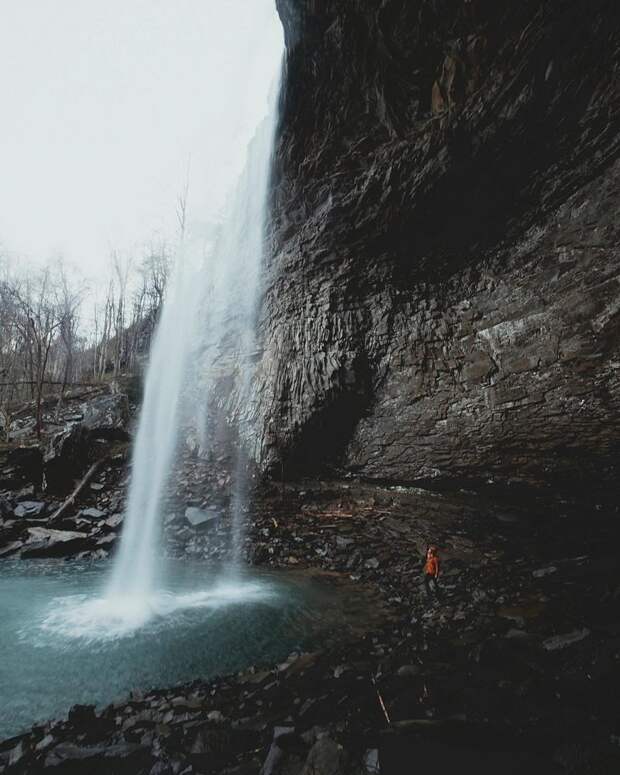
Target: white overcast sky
pixel 103 101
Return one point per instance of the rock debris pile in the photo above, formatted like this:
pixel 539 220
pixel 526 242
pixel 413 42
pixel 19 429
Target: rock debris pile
pixel 514 665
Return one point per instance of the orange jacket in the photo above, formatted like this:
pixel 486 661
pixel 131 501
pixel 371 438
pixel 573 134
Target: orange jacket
pixel 431 568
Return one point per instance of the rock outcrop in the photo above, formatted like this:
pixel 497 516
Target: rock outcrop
pixel 66 457
pixel 444 293
pixel 103 419
pixel 107 417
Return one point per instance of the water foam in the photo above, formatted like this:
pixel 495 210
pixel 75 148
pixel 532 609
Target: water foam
pixel 99 619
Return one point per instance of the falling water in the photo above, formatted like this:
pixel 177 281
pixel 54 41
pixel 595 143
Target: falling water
pixel 211 306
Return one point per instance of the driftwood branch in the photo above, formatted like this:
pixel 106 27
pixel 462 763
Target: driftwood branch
pixel 96 466
pixel 381 701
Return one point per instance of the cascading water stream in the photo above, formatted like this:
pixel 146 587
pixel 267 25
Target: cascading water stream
pixel 203 307
pixel 211 301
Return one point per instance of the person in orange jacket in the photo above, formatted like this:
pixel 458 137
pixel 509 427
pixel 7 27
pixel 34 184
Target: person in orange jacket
pixel 431 569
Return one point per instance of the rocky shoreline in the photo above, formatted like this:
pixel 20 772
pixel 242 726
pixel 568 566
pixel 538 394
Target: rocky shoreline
pixel 515 665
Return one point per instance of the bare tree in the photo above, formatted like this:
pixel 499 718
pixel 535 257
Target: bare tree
pixel 37 318
pixel 149 288
pixel 101 351
pixel 44 346
pixel 11 360
pixel 182 202
pixel 69 299
pixel 122 267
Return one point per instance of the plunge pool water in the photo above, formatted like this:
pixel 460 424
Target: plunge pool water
pixel 62 642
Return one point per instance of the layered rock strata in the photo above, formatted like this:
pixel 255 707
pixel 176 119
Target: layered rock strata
pixel 443 296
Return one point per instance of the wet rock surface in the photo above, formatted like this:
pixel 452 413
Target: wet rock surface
pixel 443 298
pixel 65 455
pixel 107 416
pixel 37 478
pixel 514 664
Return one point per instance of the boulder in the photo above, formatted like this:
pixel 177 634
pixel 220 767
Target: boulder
pixel 66 458
pixel 45 542
pixel 65 754
pixel 201 518
pixel 82 714
pixel 409 671
pixel 326 757
pixel 27 464
pixel 114 521
pixel 17 753
pixel 92 513
pixel 72 417
pixel 542 572
pixel 106 541
pixel 107 417
pixel 27 430
pixel 9 479
pixel 25 494
pixel 276 755
pixel 371 761
pixel 557 642
pixel 5 509
pixel 10 548
pixel 31 509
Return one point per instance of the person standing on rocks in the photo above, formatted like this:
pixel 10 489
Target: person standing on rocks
pixel 431 570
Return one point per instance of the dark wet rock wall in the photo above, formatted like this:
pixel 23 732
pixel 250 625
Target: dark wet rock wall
pixel 443 296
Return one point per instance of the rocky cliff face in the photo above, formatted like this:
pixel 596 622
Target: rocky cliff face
pixel 444 294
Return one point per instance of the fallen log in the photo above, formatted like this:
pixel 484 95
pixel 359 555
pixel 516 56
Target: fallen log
pixel 29 406
pixel 53 383
pixel 381 701
pixel 70 501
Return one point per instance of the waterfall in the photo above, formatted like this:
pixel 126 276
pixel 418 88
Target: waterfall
pixel 211 307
